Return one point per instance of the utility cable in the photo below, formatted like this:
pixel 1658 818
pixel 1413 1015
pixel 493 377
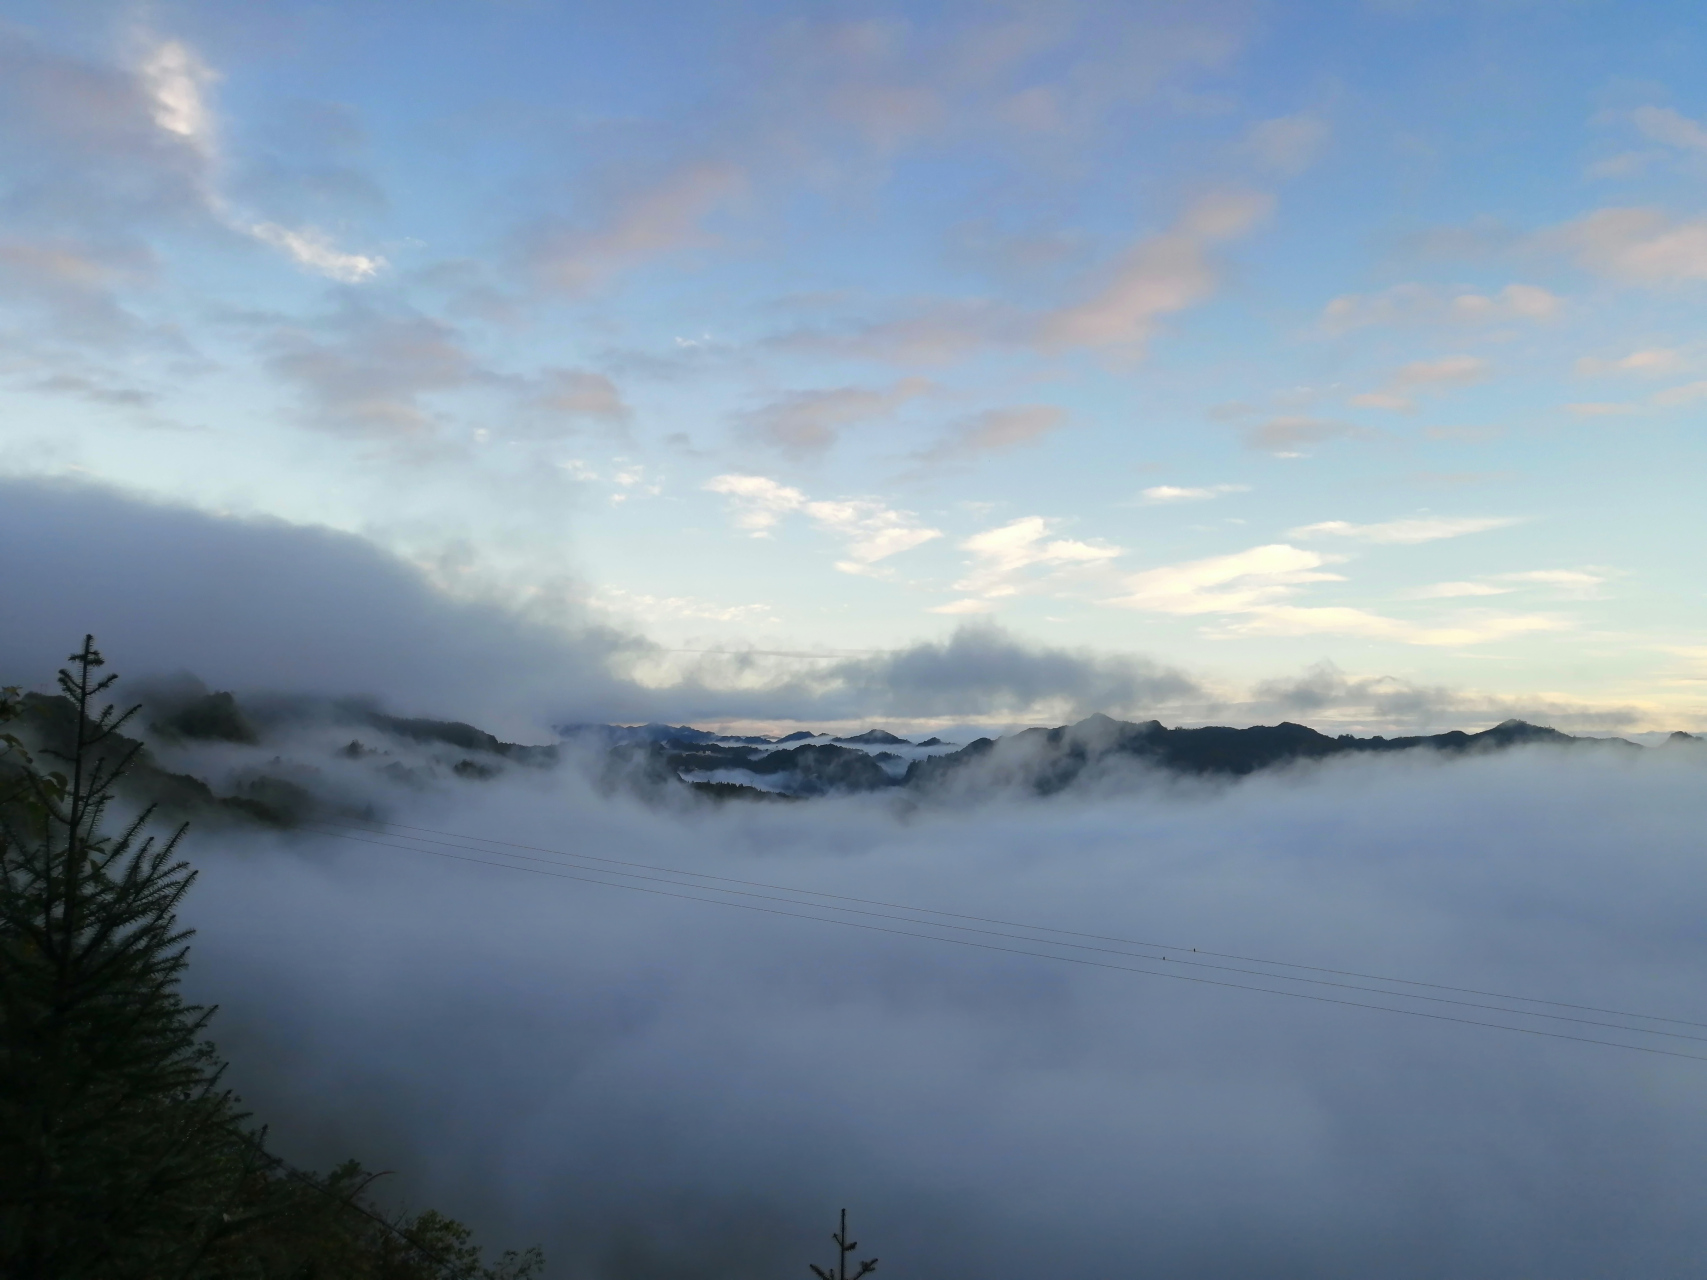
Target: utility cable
pixel 1080 946
pixel 1079 960
pixel 1038 928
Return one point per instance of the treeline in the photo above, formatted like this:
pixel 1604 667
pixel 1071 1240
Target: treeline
pixel 123 1156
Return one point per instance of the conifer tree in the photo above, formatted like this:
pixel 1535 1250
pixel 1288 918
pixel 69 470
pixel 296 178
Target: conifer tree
pixel 844 1246
pixel 120 1154
pixel 121 1157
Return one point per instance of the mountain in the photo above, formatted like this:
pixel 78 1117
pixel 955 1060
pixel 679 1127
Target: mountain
pixel 286 761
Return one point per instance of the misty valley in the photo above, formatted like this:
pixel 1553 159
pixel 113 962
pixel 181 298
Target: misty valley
pixel 645 995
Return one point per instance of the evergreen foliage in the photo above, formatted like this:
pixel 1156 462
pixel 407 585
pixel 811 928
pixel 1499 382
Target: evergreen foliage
pixel 121 1155
pixel 844 1246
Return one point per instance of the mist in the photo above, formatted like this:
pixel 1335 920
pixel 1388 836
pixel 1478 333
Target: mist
pixel 648 1085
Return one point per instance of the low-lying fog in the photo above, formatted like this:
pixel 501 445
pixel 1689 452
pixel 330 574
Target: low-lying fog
pixel 650 1086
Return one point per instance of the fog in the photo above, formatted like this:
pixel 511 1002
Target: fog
pixel 648 1085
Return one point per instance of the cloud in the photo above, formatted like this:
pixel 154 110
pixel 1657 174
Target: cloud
pixel 1688 393
pixel 259 604
pixel 985 671
pixel 1120 303
pixel 1634 245
pixel 1154 278
pixel 567 397
pixel 1455 590
pixel 648 223
pixel 996 431
pixel 1164 493
pixel 1420 529
pixel 1420 304
pixel 1405 383
pixel 1288 145
pixel 872 531
pixel 1251 587
pixel 1286 436
pixel 1666 125
pixel 367 371
pixel 1648 363
pixel 1224 584
pixel 312 248
pixel 1668 398
pixel 807 424
pixel 1389 703
pixel 1003 558
pixel 577 1064
pixel 1296 620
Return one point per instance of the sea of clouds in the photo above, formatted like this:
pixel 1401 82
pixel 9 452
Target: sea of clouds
pixel 655 1085
pixel 649 1085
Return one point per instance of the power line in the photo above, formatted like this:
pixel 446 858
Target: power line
pixel 1080 946
pixel 1039 928
pixel 988 946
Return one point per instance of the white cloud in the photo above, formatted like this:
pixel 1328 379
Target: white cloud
pixel 1414 304
pixel 1234 583
pixel 1004 561
pixel 1155 277
pixel 312 248
pixel 174 78
pixel 1422 529
pixel 173 75
pixel 806 424
pixel 996 431
pixel 873 532
pixel 1578 582
pixel 1406 382
pixel 1657 360
pixel 1454 590
pixel 1688 393
pixel 1287 436
pixel 1293 620
pixel 1665 125
pixel 1173 493
pixel 1635 245
pixel 640 606
pixel 663 218
pixel 1669 398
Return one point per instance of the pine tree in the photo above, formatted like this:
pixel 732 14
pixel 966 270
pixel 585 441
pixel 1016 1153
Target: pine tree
pixel 844 1246
pixel 120 1154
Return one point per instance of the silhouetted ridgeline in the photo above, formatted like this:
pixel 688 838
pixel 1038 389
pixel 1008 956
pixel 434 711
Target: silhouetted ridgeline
pixel 284 761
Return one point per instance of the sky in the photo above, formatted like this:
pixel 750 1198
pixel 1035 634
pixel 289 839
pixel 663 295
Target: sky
pixel 1329 342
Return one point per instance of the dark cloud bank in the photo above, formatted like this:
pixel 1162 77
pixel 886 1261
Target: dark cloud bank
pixel 650 1086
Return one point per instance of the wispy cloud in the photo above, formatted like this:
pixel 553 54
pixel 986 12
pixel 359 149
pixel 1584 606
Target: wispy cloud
pixel 996 431
pixel 1154 278
pixel 1008 560
pixel 1164 493
pixel 1405 383
pixel 806 424
pixel 1647 363
pixel 1421 304
pixel 175 78
pixel 1289 435
pixel 1118 307
pixel 663 217
pixel 871 530
pixel 1634 245
pixel 1233 583
pixel 1420 529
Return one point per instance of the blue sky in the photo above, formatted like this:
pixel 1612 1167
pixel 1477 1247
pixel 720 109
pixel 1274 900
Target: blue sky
pixel 1243 337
